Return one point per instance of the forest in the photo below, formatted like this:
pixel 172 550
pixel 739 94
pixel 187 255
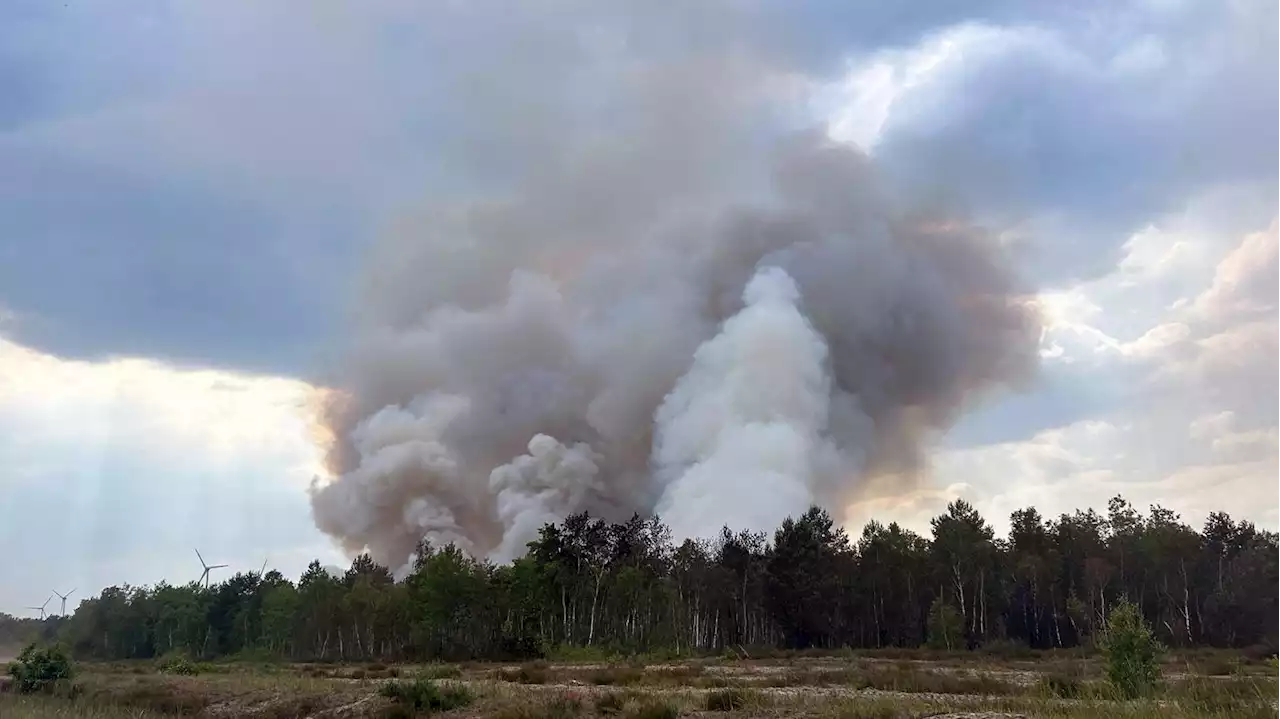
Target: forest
pixel 627 588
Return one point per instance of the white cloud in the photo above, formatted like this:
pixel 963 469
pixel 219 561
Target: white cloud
pixel 113 471
pixel 1195 428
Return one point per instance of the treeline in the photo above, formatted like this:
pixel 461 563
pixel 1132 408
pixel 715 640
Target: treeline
pixel 627 588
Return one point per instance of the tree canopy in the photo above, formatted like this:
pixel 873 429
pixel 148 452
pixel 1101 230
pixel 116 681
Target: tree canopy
pixel 627 587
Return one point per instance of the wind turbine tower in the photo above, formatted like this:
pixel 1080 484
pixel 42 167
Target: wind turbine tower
pixel 63 597
pixel 42 606
pixel 205 576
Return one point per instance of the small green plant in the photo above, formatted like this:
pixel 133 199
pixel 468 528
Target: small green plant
pixel 41 669
pixel 177 663
pixel 946 626
pixel 1131 652
pixel 425 695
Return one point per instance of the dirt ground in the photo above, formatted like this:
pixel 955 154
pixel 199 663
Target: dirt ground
pixel 857 688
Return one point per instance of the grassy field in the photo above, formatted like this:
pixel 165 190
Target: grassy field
pixel 1066 685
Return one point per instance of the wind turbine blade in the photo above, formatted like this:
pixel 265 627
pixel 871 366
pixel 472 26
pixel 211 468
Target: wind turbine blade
pixel 71 592
pixel 201 559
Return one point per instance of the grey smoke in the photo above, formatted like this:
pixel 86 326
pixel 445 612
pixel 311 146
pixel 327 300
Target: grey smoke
pixel 580 340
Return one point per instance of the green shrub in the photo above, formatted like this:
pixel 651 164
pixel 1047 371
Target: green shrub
pixel 38 670
pixel 1131 652
pixel 425 695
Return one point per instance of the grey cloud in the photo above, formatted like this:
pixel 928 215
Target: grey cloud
pixel 1087 134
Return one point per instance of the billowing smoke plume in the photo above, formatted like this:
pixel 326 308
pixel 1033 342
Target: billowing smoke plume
pixel 671 305
pixel 742 438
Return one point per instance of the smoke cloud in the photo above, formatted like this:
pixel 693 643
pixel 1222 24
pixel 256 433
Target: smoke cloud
pixel 678 304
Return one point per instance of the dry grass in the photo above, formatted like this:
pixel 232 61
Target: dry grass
pixel 858 688
pixel 39 707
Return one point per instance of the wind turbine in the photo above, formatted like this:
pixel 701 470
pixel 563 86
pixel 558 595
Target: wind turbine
pixel 42 606
pixel 63 597
pixel 205 577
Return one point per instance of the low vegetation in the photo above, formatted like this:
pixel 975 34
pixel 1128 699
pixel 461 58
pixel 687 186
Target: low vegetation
pixel 424 695
pixel 41 669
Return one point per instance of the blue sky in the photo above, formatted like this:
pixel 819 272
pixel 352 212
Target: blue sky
pixel 187 191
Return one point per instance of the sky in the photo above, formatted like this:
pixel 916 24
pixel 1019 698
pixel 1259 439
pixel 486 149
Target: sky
pixel 187 192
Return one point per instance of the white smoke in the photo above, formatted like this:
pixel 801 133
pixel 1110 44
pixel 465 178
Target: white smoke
pixel 545 485
pixel 742 437
pixel 587 317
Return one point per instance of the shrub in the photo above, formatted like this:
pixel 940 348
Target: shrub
pixel 425 695
pixel 1131 652
pixel 177 663
pixel 39 670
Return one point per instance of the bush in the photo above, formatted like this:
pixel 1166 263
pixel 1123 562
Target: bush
pixel 38 670
pixel 178 665
pixel 424 695
pixel 1131 652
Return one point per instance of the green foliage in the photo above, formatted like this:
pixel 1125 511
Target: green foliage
pixel 946 626
pixel 177 663
pixel 622 594
pixel 1132 653
pixel 426 695
pixel 39 669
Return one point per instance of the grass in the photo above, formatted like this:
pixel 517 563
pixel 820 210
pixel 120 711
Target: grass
pixel 726 700
pixel 1067 688
pixel 13 706
pixel 528 673
pixel 558 707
